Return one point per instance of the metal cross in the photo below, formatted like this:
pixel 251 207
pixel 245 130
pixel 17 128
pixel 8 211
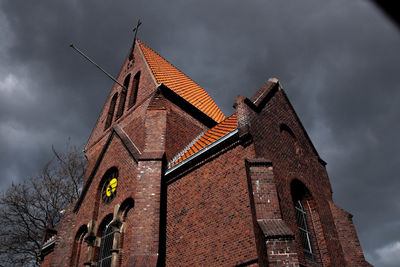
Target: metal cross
pixel 135 30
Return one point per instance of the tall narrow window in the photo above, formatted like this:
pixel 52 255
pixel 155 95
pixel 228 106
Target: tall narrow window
pixel 111 110
pixel 305 233
pixel 301 201
pixel 122 99
pixel 106 244
pixel 134 90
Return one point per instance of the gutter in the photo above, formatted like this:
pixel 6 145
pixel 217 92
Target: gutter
pixel 201 152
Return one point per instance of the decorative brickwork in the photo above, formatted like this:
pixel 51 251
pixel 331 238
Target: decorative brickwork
pixel 228 196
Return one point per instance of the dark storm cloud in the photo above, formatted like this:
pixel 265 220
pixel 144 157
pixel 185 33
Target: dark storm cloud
pixel 337 60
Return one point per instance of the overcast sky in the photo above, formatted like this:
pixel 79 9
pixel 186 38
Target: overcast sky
pixel 338 61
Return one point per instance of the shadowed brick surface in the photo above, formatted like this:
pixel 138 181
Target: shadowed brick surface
pixel 208 216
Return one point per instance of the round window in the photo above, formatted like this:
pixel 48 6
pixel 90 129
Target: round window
pixel 110 187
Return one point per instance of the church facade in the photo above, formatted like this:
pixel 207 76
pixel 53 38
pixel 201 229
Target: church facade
pixel 171 181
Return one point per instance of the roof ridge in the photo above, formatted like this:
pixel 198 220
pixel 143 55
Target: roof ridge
pixel 165 72
pixel 140 42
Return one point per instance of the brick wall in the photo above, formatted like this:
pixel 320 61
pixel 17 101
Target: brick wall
pixel 281 252
pixel 209 221
pixel 275 241
pixel 294 158
pixel 348 237
pixel 265 127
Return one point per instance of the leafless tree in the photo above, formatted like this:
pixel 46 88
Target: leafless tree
pixel 27 208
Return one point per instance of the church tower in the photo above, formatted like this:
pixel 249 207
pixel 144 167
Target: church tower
pixel 171 181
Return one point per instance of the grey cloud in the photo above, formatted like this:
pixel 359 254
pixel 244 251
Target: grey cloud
pixel 337 60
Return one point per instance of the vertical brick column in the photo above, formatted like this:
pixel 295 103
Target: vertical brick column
pixel 116 224
pixel 147 215
pixel 243 119
pixel 144 250
pixel 274 240
pixel 90 239
pixel 261 182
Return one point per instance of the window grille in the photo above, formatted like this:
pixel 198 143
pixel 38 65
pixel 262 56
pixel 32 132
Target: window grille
pixel 305 234
pixel 106 245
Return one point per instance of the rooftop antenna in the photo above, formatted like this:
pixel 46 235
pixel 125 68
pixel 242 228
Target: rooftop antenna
pixel 135 30
pixel 100 68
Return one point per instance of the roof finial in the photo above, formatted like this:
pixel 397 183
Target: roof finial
pixel 135 30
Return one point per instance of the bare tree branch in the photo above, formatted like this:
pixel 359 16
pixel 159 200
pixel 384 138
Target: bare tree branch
pixel 26 209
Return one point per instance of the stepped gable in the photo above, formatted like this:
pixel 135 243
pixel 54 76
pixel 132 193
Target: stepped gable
pixel 164 72
pixel 221 129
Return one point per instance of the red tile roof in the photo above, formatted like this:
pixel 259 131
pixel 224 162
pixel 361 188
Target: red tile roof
pixel 209 137
pixel 164 72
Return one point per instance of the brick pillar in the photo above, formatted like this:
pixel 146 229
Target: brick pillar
pixel 90 239
pixel 275 241
pixel 243 119
pixel 116 225
pixel 146 228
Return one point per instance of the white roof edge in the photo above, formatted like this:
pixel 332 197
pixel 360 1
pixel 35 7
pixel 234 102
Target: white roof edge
pixel 202 151
pixel 48 243
pixel 186 148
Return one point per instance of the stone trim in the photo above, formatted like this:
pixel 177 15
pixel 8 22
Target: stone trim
pixel 258 162
pixel 152 155
pixel 263 95
pixel 128 144
pixel 275 229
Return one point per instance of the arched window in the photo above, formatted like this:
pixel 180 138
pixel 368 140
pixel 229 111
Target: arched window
pixel 290 139
pixel 107 190
pixel 106 244
pixel 78 251
pixel 109 185
pixel 134 90
pixel 285 128
pixel 111 109
pixel 301 202
pixel 125 207
pixel 122 99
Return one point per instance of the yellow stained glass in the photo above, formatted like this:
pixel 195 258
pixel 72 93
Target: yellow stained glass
pixel 111 187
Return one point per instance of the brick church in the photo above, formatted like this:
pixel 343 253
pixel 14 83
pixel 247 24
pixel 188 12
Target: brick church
pixel 172 181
